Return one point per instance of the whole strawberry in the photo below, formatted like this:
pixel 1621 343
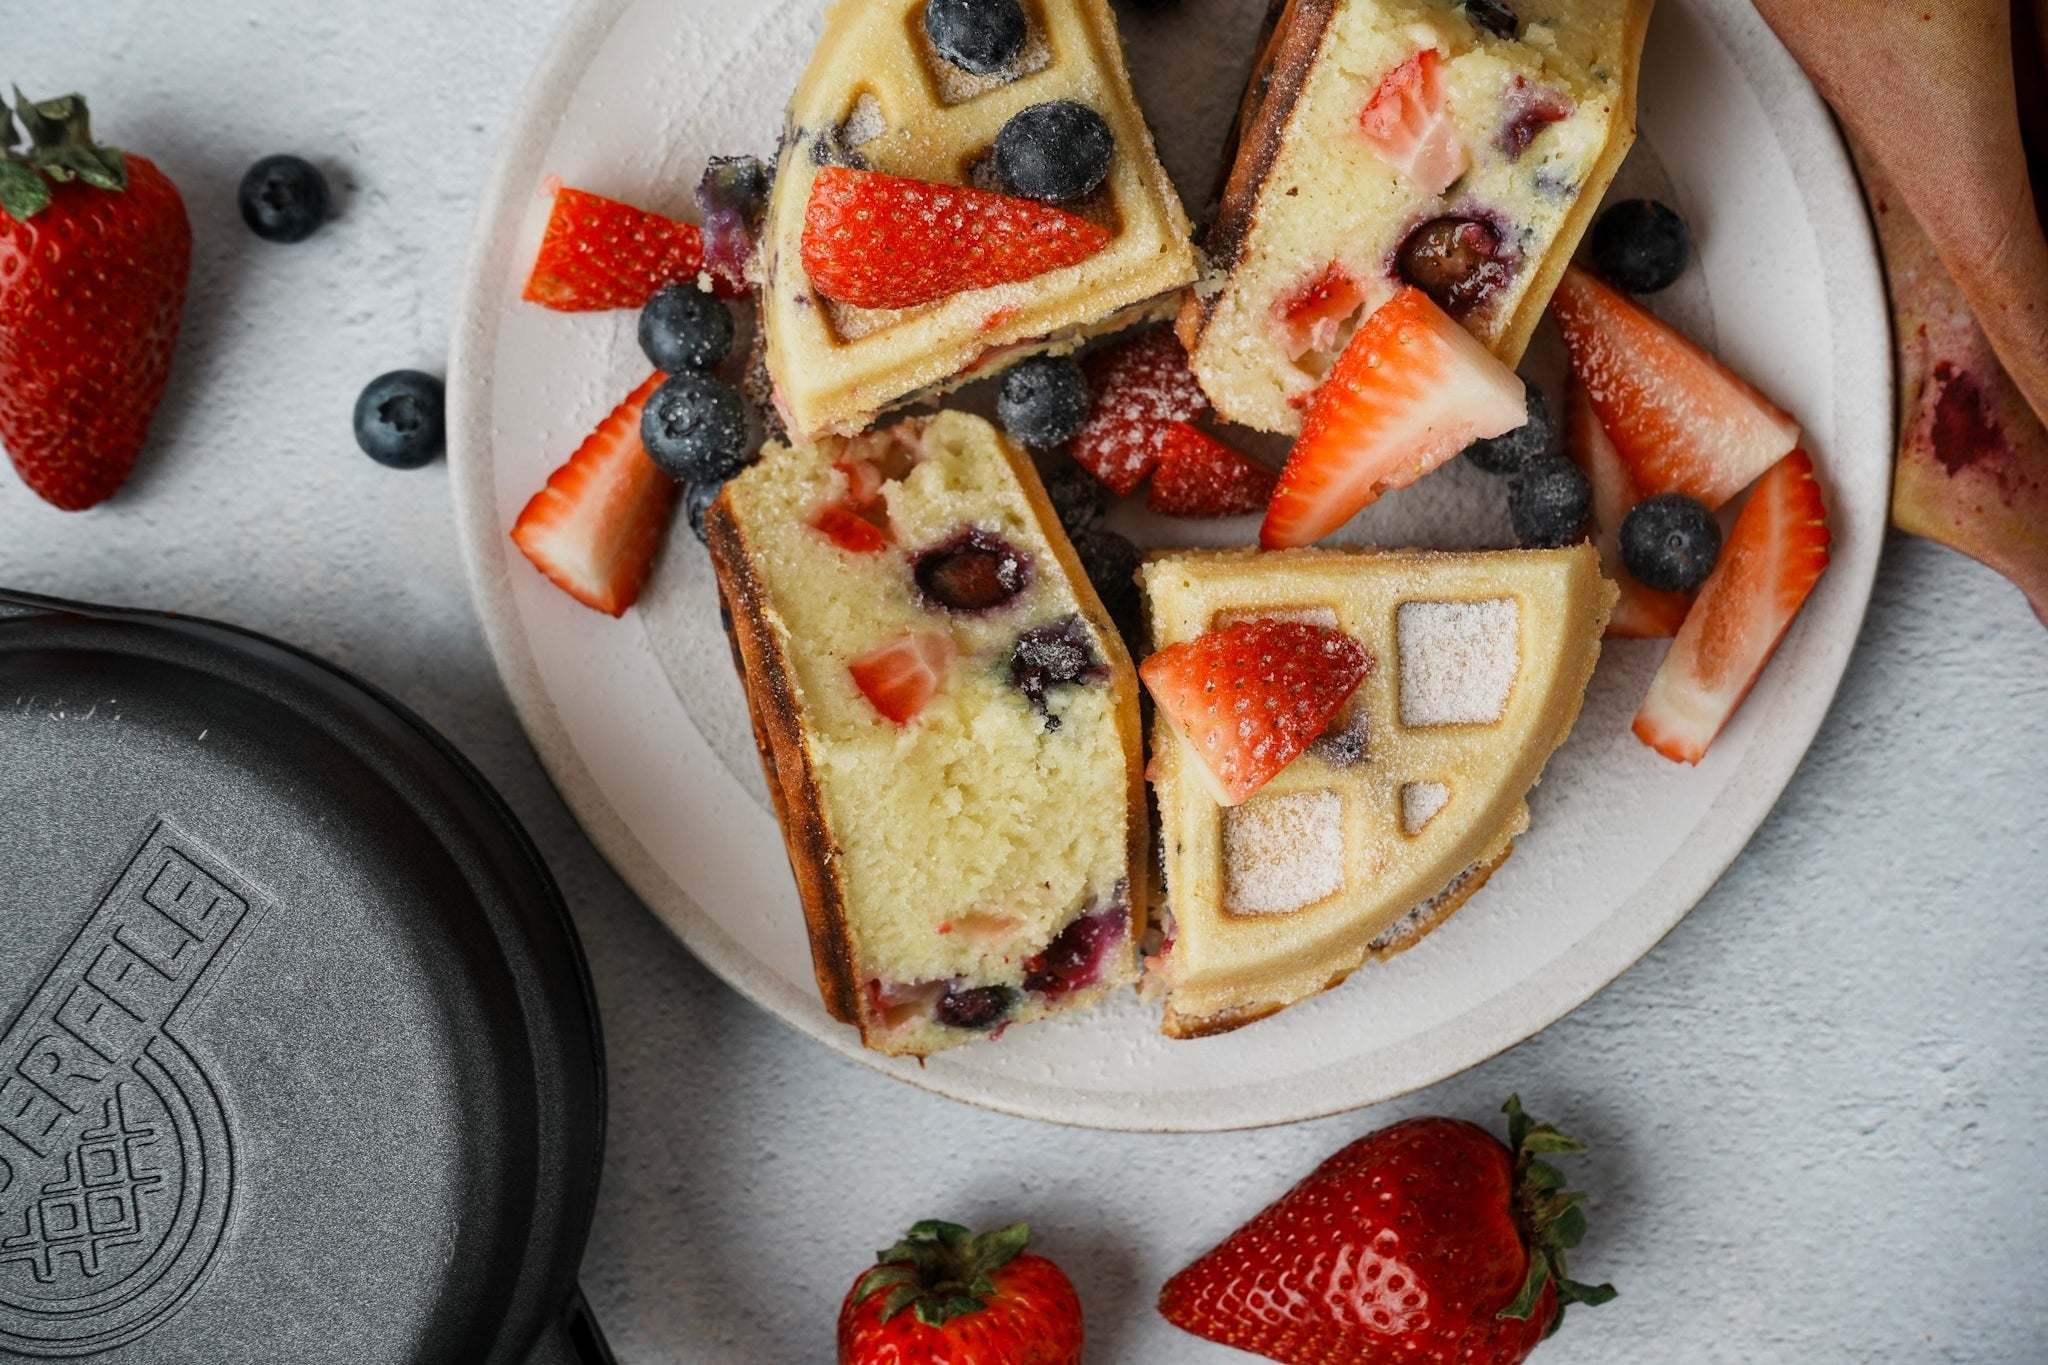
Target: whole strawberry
pixel 943 1296
pixel 1426 1241
pixel 94 252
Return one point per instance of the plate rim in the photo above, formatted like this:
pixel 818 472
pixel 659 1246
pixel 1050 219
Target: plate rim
pixel 1534 1002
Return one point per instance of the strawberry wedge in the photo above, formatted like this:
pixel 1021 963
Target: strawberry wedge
pixel 1641 613
pixel 1407 122
pixel 1769 565
pixel 596 527
pixel 1141 387
pixel 1681 419
pixel 1247 699
pixel 887 241
pixel 900 678
pixel 598 253
pixel 1411 390
pixel 1200 476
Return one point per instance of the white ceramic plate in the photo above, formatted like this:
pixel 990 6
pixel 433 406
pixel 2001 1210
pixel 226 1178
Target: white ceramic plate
pixel 643 727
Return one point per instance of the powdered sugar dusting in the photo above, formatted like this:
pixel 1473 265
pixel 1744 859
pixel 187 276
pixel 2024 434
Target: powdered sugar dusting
pixel 1283 853
pixel 1459 660
pixel 866 123
pixel 1139 387
pixel 1420 802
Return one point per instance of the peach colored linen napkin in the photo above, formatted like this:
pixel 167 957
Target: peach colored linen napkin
pixel 1928 92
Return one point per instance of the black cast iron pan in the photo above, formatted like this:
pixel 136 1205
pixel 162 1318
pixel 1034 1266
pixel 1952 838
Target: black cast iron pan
pixel 301 1060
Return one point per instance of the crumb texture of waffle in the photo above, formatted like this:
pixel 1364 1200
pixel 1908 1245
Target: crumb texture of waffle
pixel 1524 133
pixel 878 97
pixel 972 865
pixel 1410 800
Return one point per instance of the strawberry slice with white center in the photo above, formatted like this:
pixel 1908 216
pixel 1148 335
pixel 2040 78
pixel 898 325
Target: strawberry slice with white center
pixel 1641 613
pixel 1247 699
pixel 901 677
pixel 1683 421
pixel 1768 566
pixel 1200 476
pixel 1408 123
pixel 1411 390
pixel 1310 319
pixel 596 526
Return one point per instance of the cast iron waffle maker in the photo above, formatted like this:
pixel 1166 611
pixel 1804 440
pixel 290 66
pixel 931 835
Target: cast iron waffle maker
pixel 302 1061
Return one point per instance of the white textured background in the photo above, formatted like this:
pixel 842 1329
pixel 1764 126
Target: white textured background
pixel 1817 1109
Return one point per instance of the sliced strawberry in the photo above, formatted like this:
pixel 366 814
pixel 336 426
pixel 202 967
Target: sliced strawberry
pixel 1248 698
pixel 1770 563
pixel 1141 386
pixel 1411 390
pixel 1200 476
pixel 1641 613
pixel 599 253
pixel 596 527
pixel 859 522
pixel 1309 320
pixel 846 527
pixel 885 241
pixel 1683 421
pixel 902 677
pixel 1408 123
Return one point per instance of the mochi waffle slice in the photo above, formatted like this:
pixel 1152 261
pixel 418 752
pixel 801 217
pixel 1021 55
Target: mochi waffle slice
pixel 1463 147
pixel 878 96
pixel 1403 808
pixel 949 726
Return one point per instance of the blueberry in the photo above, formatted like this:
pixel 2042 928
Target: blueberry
pixel 697 500
pixel 400 419
pixel 1641 245
pixel 1056 654
pixel 1112 564
pixel 1549 499
pixel 1495 16
pixel 284 199
pixel 980 1008
pixel 1077 496
pixel 973 571
pixel 1075 958
pixel 684 328
pixel 1054 152
pixel 734 197
pixel 1044 401
pixel 980 36
pixel 1456 261
pixel 1345 745
pixel 695 427
pixel 1507 454
pixel 1670 542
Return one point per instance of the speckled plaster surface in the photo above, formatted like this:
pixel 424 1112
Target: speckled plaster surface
pixel 1817 1109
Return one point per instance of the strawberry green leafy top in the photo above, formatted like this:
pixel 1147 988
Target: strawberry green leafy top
pixel 60 148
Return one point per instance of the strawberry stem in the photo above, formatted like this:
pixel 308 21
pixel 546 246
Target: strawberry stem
pixel 941 1270
pixel 60 149
pixel 1551 1219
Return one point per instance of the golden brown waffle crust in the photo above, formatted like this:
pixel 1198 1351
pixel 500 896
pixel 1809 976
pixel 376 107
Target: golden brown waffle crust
pixel 785 760
pixel 1295 34
pixel 766 676
pixel 1179 1024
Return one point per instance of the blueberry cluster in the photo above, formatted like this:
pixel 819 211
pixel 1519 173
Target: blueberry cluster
pixel 695 425
pixel 1549 497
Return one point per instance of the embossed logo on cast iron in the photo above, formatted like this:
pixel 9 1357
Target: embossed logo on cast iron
pixel 116 1163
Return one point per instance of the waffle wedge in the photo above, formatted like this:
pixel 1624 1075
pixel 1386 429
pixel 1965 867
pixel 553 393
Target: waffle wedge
pixel 877 96
pixel 1402 810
